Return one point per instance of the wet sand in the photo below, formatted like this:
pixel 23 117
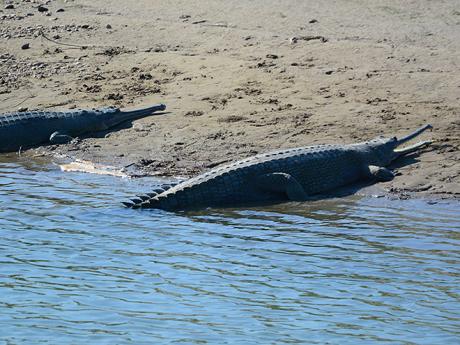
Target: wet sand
pixel 241 78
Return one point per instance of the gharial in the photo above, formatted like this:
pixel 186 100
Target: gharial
pixel 292 174
pixel 27 129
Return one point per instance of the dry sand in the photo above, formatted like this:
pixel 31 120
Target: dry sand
pixel 237 82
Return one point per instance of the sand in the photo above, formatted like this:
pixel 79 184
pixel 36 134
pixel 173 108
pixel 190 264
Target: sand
pixel 242 77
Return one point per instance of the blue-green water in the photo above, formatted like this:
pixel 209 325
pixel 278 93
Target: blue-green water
pixel 78 268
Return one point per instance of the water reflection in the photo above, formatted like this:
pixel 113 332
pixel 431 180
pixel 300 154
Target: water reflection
pixel 75 267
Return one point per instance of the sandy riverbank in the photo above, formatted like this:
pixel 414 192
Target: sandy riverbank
pixel 235 81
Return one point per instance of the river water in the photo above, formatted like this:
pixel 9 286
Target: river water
pixel 78 268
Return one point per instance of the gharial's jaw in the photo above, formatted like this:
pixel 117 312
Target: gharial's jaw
pixel 412 148
pixel 413 134
pixel 118 117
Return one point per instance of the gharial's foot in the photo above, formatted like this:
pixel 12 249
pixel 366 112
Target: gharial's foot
pixel 59 138
pixel 381 173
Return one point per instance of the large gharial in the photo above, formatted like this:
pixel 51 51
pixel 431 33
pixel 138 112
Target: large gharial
pixel 27 129
pixel 292 174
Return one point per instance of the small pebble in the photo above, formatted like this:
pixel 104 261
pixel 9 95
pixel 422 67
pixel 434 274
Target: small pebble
pixel 313 21
pixel 108 26
pixel 42 9
pixel 60 10
pixel 21 109
pixel 25 46
pixel 9 7
pixel 145 76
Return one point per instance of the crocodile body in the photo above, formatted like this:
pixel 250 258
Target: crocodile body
pixel 28 129
pixel 293 174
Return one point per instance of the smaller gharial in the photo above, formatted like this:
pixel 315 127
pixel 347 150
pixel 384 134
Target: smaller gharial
pixel 292 174
pixel 28 129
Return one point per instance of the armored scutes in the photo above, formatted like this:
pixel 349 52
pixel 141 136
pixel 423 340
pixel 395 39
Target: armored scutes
pixel 28 129
pixel 293 174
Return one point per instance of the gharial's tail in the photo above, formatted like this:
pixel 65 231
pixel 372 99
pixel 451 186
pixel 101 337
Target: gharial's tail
pixel 148 200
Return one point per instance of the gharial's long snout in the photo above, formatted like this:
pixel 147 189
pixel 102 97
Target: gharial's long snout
pixel 416 146
pixel 133 114
pixel 127 115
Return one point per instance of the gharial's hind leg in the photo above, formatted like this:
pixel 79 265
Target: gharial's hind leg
pixel 282 183
pixel 60 138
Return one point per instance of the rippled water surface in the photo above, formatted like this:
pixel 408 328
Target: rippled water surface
pixel 78 268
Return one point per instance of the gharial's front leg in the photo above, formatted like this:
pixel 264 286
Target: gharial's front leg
pixel 379 173
pixel 60 138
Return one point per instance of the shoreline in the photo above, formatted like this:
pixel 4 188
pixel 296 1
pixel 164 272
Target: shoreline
pixel 69 164
pixel 377 189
